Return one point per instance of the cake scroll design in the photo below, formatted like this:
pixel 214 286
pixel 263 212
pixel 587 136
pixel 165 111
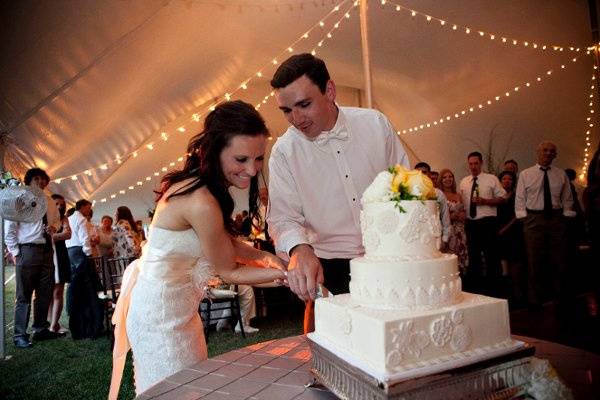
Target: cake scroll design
pixel 406 342
pixel 441 331
pixel 387 221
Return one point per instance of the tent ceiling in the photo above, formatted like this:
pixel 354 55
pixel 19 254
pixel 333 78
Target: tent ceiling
pixel 82 82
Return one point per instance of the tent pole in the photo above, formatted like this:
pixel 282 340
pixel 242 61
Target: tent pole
pixel 366 57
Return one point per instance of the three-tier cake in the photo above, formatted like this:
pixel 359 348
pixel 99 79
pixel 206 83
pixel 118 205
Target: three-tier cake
pixel 406 314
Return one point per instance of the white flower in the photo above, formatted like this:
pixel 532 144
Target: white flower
pixel 379 190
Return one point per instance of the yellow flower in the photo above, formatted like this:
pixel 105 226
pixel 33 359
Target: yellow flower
pixel 420 185
pixel 400 174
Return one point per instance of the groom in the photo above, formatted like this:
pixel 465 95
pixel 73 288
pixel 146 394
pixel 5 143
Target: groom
pixel 318 171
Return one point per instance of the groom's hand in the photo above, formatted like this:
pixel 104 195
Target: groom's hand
pixel 304 272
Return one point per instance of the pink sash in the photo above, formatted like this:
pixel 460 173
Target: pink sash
pixel 121 347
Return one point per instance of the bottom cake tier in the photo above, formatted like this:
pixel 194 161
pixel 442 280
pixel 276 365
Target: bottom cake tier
pixel 388 343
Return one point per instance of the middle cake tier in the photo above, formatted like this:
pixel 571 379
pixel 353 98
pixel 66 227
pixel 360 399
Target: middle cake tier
pixel 412 285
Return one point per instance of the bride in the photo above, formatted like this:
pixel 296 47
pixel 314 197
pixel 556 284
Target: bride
pixel 191 241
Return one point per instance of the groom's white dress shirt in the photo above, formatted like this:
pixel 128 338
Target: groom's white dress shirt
pixel 315 185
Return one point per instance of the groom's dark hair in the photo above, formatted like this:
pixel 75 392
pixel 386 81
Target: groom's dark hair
pixel 298 65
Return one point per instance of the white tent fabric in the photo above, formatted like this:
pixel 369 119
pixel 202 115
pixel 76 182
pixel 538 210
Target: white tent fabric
pixel 84 83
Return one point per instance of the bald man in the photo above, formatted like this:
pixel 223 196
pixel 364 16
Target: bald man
pixel 543 201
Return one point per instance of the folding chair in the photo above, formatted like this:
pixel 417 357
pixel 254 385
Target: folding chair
pixel 115 268
pixel 99 265
pixel 113 275
pixel 220 300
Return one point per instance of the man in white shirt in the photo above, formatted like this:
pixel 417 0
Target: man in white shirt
pixel 442 201
pixel 481 193
pixel 318 170
pixel 542 201
pixel 30 246
pixel 79 245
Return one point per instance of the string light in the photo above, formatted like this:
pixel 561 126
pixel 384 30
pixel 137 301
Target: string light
pixel 589 124
pixel 480 106
pixel 196 117
pixel 482 33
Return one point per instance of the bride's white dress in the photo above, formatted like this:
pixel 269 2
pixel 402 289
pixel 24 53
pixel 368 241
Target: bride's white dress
pixel 158 307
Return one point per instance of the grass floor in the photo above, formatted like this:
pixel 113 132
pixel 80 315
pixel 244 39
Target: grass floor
pixel 69 369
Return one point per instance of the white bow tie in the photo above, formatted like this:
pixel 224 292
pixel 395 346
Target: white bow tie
pixel 324 138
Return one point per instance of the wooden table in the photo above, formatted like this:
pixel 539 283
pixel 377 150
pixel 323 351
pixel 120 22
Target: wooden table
pixel 279 370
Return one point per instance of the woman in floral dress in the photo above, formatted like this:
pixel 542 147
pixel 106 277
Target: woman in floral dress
pixel 126 238
pixel 458 239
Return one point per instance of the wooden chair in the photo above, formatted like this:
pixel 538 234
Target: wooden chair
pixel 220 300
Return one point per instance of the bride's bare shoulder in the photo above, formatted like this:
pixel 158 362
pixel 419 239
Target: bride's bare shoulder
pixel 199 203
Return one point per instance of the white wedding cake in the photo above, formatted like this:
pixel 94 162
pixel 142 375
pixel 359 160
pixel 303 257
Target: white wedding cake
pixel 406 311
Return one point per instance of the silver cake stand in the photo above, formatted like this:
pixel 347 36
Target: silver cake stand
pixel 492 379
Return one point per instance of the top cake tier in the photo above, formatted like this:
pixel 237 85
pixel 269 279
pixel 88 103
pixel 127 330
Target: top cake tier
pixel 409 230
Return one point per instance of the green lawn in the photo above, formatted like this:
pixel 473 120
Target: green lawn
pixel 68 369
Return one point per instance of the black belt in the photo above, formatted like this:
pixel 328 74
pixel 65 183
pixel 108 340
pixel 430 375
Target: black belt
pixel 32 244
pixel 555 211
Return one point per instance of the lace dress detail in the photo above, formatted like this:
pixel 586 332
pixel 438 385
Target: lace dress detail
pixel 457 242
pixel 163 326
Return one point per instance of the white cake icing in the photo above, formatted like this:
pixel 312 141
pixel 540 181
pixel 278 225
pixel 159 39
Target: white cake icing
pixel 410 235
pixel 402 267
pixel 419 284
pixel 406 308
pixel 390 341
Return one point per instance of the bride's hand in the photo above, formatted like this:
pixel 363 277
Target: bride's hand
pixel 275 262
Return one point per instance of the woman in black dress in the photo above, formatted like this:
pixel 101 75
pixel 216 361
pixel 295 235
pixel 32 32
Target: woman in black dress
pixel 62 265
pixel 510 239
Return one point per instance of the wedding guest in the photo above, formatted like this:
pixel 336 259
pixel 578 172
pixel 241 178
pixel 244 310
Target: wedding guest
pixel 510 240
pixel 457 242
pixel 481 194
pixel 434 176
pixel 140 228
pixel 318 170
pixel 62 265
pixel 93 232
pixel 591 205
pixel 191 240
pixel 126 238
pixel 105 237
pixel 247 311
pixel 246 227
pixel 86 313
pixel 443 202
pixel 30 248
pixel 511 166
pixel 577 224
pixel 543 202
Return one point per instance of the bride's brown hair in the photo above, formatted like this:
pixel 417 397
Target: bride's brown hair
pixel 203 163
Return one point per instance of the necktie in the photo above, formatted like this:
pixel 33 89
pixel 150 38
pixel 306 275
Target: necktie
pixel 547 193
pixel 472 205
pixel 325 137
